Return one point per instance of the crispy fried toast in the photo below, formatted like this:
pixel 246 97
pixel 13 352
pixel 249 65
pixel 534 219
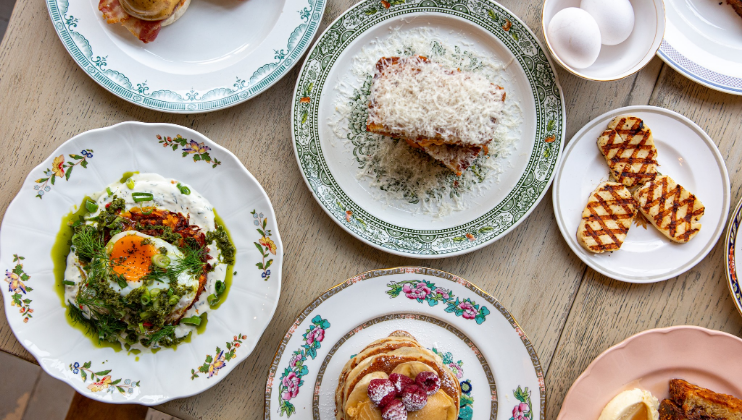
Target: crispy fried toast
pixel 628 148
pixel 672 209
pixel 699 403
pixel 736 5
pixel 671 411
pixel 607 218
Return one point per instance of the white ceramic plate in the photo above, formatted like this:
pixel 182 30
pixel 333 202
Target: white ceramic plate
pixel 703 42
pixel 685 153
pixel 733 248
pixel 219 54
pixel 329 166
pixel 470 329
pixel 649 360
pixel 90 162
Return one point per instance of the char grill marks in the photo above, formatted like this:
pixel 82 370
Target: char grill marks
pixel 671 208
pixel 607 218
pixel 628 147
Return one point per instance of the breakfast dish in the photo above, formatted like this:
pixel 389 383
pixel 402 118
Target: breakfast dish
pixel 422 163
pixel 450 114
pixel 152 249
pixel 685 154
pixel 702 42
pixel 629 151
pixel 688 401
pixel 672 209
pixel 217 55
pixel 143 18
pixel 128 258
pixel 607 217
pixel 410 351
pixel 678 366
pixel 395 378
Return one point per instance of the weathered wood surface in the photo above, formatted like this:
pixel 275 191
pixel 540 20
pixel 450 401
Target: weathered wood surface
pixel 570 312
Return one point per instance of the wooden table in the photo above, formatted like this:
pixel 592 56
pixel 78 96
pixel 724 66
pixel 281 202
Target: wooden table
pixel 570 312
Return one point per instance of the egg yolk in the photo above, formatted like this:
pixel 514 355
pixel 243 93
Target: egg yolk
pixel 131 258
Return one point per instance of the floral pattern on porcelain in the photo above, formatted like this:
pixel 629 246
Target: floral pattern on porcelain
pixel 212 365
pixel 265 244
pixel 101 381
pixel 199 151
pixel 466 411
pixel 291 378
pixel 524 409
pixel 16 279
pixel 61 170
pixel 426 291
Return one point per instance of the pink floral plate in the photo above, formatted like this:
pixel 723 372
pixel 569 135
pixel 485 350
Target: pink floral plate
pixel 475 336
pixel 648 360
pixel 86 164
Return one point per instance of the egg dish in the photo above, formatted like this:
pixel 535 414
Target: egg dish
pixel 147 260
pixel 143 18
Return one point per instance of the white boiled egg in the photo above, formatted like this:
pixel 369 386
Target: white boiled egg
pixel 575 37
pixel 615 19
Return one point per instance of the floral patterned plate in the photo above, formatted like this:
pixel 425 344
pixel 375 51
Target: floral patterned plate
pixel 89 162
pixel 734 248
pixel 476 337
pixel 217 55
pixel 329 164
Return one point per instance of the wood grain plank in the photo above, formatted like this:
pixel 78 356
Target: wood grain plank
pixel 531 271
pixel 606 311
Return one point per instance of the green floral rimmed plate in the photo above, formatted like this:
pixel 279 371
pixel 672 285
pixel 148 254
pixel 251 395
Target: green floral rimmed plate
pixel 218 54
pixel 476 337
pixel 329 168
pixel 86 164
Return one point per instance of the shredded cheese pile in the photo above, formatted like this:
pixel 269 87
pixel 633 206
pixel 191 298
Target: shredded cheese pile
pixel 422 99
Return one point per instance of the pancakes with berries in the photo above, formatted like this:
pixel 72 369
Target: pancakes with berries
pixel 395 378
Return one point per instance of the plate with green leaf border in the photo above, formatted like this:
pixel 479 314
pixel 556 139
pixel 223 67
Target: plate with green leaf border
pixel 218 54
pixel 329 166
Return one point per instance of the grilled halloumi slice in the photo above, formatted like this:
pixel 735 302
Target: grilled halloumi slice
pixel 672 209
pixel 628 148
pixel 607 218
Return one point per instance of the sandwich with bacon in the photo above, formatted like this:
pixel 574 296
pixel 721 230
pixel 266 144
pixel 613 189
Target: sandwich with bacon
pixel 143 18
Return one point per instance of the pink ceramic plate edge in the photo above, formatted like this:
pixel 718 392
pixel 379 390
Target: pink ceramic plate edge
pixel 648 360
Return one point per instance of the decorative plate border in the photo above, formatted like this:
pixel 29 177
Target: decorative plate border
pixel 731 261
pixel 697 72
pixel 401 270
pixel 417 317
pixel 137 91
pixel 550 123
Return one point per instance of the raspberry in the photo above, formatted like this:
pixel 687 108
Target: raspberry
pixel 414 398
pixel 381 391
pixel 394 411
pixel 400 381
pixel 428 381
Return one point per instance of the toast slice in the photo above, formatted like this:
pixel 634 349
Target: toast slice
pixel 672 209
pixel 736 5
pixel 704 404
pixel 628 148
pixel 671 411
pixel 607 218
pixel 456 158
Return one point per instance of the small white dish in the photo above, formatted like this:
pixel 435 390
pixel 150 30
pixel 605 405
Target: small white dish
pixel 34 308
pixel 474 334
pixel 684 152
pixel 704 43
pixel 622 60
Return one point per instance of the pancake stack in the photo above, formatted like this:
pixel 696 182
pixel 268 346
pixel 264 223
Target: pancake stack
pixel 392 358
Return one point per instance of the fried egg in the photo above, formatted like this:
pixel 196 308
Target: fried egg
pixel 131 255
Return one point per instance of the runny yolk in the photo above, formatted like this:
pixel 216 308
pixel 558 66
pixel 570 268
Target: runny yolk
pixel 131 258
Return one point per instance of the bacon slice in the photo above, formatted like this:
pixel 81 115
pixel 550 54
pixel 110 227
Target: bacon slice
pixel 145 30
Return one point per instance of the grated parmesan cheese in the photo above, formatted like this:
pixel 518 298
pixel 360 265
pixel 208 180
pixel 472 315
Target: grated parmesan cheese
pixel 421 99
pixel 403 177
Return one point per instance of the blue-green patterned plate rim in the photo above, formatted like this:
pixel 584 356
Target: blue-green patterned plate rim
pixel 247 84
pixel 466 237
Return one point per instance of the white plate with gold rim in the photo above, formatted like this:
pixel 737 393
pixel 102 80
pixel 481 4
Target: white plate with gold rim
pixel 685 153
pixel 474 334
pixel 87 163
